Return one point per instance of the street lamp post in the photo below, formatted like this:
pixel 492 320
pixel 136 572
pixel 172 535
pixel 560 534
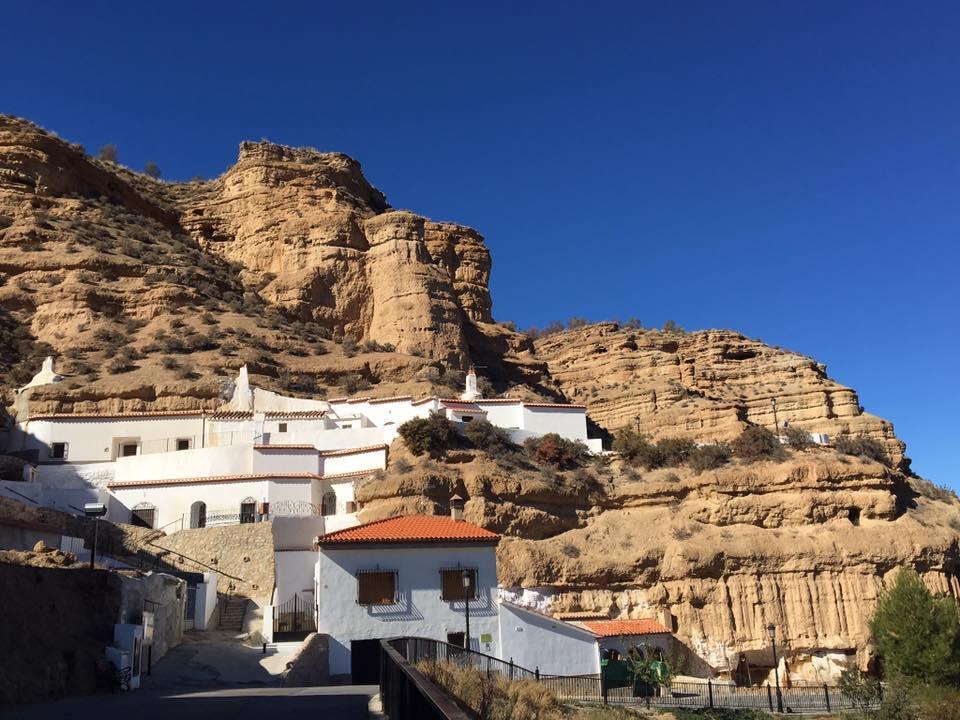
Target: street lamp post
pixel 772 632
pixel 95 511
pixel 467 587
pixel 776 424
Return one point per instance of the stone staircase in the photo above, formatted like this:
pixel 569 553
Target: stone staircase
pixel 231 612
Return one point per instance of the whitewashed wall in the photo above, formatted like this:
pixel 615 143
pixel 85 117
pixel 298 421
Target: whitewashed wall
pixel 206 601
pixel 285 460
pixel 622 645
pixel 505 415
pixel 174 501
pixel 420 610
pixel 295 571
pixel 568 423
pixel 96 440
pixel 354 462
pixel 203 462
pixel 534 640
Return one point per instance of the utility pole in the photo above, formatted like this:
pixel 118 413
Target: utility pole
pixel 467 589
pixel 776 423
pixel 772 632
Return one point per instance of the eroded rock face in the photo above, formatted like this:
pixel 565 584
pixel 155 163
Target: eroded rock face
pixel 322 237
pixel 807 544
pixel 704 385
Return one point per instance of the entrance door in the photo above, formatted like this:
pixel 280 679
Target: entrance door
pixel 365 662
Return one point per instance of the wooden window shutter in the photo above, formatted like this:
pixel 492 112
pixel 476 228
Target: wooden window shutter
pixel 377 588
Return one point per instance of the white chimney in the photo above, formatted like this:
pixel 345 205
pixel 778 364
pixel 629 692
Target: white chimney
pixel 456 507
pixel 470 391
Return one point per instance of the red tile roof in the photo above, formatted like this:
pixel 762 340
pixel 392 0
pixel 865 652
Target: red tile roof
pixel 353 473
pixel 212 479
pixel 295 414
pixel 279 446
pixel 433 529
pixel 611 628
pixel 353 451
pixel 133 415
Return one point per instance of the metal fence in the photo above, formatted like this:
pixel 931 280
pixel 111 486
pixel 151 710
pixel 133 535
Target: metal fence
pixel 592 688
pixel 405 693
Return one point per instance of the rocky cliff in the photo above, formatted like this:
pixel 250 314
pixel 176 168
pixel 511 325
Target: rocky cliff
pixel 153 294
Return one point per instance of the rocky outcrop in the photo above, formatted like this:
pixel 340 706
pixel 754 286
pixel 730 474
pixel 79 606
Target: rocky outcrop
pixel 703 385
pixel 807 543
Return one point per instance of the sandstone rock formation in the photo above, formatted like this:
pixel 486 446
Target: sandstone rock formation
pixel 151 295
pixel 704 385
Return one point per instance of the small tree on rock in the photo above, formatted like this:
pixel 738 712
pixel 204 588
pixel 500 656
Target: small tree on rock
pixel 152 169
pixel 108 152
pixel 757 443
pixel 427 435
pixel 917 634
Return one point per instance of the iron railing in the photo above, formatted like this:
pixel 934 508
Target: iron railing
pixel 592 688
pixel 406 693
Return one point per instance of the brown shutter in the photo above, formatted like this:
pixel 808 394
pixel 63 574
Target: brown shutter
pixel 452 584
pixel 376 588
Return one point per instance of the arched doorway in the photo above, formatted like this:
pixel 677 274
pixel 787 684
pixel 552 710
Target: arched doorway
pixel 198 514
pixel 144 515
pixel 329 506
pixel 248 510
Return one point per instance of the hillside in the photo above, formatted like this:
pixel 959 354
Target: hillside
pixel 152 295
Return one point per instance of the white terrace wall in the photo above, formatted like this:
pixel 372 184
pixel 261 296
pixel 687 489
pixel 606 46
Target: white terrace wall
pixel 419 611
pixel 97 439
pixel 533 640
pixel 204 462
pixel 505 415
pixel 173 501
pixel 295 570
pixel 375 459
pixel 285 460
pixel 568 423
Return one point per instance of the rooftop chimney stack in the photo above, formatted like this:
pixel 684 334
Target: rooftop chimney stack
pixel 456 508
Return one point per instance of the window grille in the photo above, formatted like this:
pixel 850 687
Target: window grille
pixel 451 584
pixel 377 587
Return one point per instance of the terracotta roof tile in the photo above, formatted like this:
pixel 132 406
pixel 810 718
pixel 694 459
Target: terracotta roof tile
pixel 212 479
pixel 431 529
pixel 281 446
pixel 353 473
pixel 353 451
pixel 374 401
pixel 611 628
pixel 108 415
pixel 295 414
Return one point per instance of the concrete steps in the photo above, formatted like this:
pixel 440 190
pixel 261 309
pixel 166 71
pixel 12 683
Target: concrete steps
pixel 232 613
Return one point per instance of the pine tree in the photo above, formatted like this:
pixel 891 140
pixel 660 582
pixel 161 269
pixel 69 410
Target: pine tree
pixel 916 634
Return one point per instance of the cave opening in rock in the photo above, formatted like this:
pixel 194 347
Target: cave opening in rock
pixel 854 515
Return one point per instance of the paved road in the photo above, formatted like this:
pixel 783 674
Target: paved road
pixel 210 676
pixel 348 702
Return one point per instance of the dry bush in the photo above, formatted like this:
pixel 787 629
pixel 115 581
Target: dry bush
pixel 493 698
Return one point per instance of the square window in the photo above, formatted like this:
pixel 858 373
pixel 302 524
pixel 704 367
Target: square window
pixel 58 451
pixel 377 587
pixel 451 584
pixel 128 449
pixel 183 443
pixel 282 427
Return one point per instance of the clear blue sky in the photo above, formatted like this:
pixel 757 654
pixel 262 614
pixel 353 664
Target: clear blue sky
pixel 786 169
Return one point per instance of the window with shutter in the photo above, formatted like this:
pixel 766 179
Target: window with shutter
pixel 377 587
pixel 451 584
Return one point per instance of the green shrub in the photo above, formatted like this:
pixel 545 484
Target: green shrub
pixel 708 457
pixel 352 384
pixel 861 446
pixel 485 435
pixel 916 633
pixel 427 435
pixel 797 438
pixel 636 448
pixel 757 443
pixel 675 451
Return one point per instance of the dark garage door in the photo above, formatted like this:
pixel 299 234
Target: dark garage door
pixel 365 662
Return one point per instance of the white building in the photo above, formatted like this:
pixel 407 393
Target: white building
pixel 404 576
